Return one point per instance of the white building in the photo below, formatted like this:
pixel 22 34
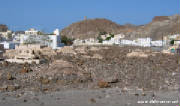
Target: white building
pixel 9 45
pixel 31 31
pixel 56 32
pixel 53 41
pixel 145 42
pixel 128 42
pixel 173 36
pixel 158 43
pixel 120 36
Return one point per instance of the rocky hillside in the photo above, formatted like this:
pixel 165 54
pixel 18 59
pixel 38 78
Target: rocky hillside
pixel 163 25
pixel 160 25
pixel 94 67
pixel 90 28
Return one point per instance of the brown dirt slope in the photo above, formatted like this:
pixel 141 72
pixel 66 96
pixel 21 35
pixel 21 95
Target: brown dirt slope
pixel 160 25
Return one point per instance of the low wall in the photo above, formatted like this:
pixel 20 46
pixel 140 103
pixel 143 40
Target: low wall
pixel 21 61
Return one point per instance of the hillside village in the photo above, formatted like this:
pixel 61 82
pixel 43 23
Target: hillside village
pixel 35 61
pixel 26 43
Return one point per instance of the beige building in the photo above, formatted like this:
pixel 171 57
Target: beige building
pixel 26 54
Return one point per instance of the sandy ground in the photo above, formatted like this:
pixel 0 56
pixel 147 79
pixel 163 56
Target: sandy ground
pixel 100 97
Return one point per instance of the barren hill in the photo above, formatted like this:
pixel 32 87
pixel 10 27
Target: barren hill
pixel 160 25
pixel 90 28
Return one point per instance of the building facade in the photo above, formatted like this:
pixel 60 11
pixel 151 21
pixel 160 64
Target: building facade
pixel 31 37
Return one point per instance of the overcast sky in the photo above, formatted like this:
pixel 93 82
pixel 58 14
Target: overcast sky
pixel 47 15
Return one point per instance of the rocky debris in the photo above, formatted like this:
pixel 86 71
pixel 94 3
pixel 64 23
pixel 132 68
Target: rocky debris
pixel 66 50
pixel 3 88
pixel 70 71
pixel 10 88
pixel 26 70
pixel 92 100
pixel 81 49
pixel 103 84
pixel 44 80
pixel 13 87
pixel 94 48
pixel 111 80
pixel 97 56
pixel 137 54
pixel 46 51
pixel 9 76
pixel 143 94
pixel 25 100
pixel 5 63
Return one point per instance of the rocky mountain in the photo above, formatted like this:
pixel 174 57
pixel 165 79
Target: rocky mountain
pixel 90 28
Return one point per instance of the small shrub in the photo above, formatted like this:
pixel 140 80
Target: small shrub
pixel 108 38
pixel 112 35
pixel 172 42
pixel 66 40
pixel 100 40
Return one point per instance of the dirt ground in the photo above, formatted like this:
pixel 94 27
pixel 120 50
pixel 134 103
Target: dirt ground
pixel 86 69
pixel 97 97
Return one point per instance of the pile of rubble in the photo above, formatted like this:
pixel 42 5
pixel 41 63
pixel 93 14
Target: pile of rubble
pixel 94 67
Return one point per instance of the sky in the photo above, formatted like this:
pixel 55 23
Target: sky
pixel 46 15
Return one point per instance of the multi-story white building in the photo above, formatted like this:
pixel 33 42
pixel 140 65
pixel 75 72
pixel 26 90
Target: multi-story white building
pixel 32 37
pixel 8 44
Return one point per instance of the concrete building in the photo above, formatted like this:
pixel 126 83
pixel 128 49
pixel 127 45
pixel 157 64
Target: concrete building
pixel 31 37
pixel 120 36
pixel 31 31
pixel 127 42
pixel 145 42
pixel 173 36
pixel 26 54
pixel 176 42
pixel 56 32
pixel 9 44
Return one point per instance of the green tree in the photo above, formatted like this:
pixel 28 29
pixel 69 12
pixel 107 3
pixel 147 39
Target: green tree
pixel 172 42
pixel 112 35
pixel 100 40
pixel 108 38
pixel 66 40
